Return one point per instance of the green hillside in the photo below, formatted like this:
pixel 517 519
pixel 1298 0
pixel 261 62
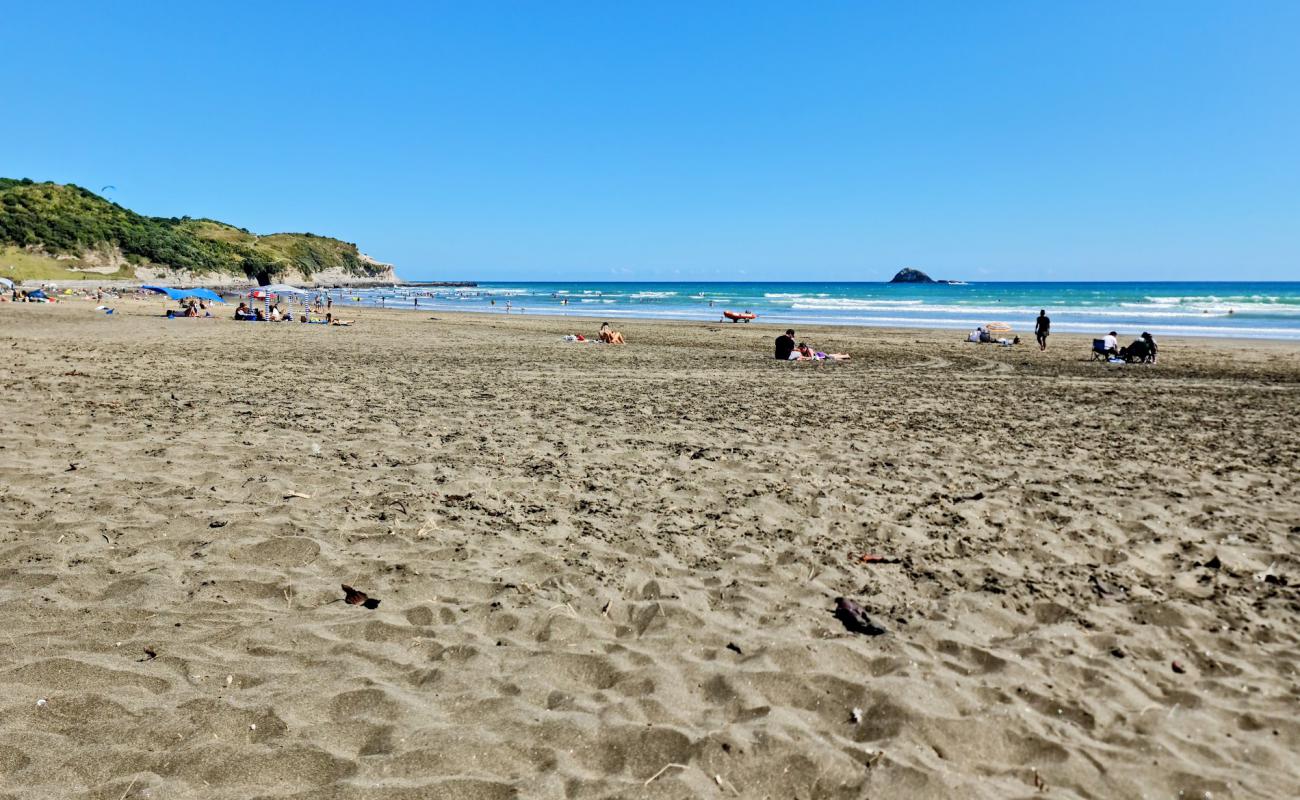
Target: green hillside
pixel 52 231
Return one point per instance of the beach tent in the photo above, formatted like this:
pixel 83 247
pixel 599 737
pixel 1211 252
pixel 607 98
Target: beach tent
pixel 181 294
pixel 282 289
pixel 284 293
pixel 8 284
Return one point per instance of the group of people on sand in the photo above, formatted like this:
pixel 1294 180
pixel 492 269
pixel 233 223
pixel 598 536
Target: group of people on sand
pixel 983 335
pixel 195 308
pixel 1141 351
pixel 17 295
pixel 787 350
pixel 246 314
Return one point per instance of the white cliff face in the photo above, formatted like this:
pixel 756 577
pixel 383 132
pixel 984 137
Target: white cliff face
pixel 383 276
pixel 332 277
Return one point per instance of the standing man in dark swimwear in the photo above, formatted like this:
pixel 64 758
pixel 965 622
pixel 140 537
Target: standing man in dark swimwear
pixel 1042 327
pixel 785 346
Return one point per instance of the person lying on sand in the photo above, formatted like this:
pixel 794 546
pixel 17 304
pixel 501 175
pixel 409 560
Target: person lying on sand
pixel 330 320
pixel 610 336
pixel 805 353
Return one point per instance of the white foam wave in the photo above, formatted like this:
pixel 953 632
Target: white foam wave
pixel 810 304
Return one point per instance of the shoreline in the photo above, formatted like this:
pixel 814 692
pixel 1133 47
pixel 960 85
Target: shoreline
pixel 900 327
pixel 852 331
pixel 820 308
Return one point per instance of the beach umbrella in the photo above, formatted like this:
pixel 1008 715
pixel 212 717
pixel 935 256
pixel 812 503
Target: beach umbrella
pixel 181 294
pixel 204 294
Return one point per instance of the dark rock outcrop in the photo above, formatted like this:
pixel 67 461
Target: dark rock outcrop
pixel 912 276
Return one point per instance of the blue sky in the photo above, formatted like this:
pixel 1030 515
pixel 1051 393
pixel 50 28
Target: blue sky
pixel 710 140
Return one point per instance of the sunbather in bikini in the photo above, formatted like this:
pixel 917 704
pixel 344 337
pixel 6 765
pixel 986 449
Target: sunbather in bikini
pixel 610 336
pixel 806 353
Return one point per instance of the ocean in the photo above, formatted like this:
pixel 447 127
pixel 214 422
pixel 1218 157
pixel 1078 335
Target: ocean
pixel 1231 309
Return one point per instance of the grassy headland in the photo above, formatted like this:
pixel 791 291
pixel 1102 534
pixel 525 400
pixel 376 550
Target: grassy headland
pixel 51 231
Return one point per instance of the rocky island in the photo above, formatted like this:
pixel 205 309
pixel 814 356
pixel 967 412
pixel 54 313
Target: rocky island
pixel 910 275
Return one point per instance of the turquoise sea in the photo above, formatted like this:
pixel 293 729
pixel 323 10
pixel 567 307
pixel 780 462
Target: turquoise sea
pixel 1234 309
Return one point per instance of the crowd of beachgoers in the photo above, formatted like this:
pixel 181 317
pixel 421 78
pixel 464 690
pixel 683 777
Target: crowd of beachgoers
pixel 257 305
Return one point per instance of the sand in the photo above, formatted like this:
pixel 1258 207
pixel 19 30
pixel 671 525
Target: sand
pixel 609 572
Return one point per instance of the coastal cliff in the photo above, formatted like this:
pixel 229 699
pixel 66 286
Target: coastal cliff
pixel 51 231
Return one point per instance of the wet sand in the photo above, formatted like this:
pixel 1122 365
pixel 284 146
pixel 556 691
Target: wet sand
pixel 609 572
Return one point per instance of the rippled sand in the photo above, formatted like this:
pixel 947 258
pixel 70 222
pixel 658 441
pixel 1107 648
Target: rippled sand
pixel 609 572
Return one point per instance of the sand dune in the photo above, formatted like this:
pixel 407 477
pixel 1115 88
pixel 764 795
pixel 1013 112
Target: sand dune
pixel 609 572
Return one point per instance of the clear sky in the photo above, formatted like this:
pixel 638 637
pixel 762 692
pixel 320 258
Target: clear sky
pixel 710 140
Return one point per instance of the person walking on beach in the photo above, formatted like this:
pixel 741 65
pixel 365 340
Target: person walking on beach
pixel 1042 327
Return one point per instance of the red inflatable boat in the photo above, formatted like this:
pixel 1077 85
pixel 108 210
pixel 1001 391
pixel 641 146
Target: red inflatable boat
pixel 737 316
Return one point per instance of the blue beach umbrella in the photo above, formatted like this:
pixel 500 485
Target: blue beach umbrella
pixel 181 294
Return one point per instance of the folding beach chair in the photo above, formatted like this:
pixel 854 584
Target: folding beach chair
pixel 1099 352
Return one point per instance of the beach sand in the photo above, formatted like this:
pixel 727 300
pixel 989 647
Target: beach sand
pixel 609 572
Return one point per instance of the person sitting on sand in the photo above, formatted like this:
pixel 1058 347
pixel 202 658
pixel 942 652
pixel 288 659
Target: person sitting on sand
pixel 1134 352
pixel 243 312
pixel 275 313
pixel 610 336
pixel 259 315
pixel 1151 346
pixel 1142 350
pixel 192 310
pixel 1110 343
pixel 785 345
